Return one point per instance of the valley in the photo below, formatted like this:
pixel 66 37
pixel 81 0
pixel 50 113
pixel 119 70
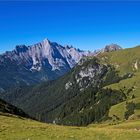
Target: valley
pixel 97 99
pixel 69 70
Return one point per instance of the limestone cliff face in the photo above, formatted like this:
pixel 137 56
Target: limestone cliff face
pixel 42 61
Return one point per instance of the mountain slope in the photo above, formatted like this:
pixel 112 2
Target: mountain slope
pixel 86 93
pixel 27 65
pixel 16 128
pixel 6 108
pixel 78 93
pixel 126 60
pixel 131 88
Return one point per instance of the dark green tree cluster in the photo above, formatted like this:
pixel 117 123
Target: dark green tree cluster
pixel 92 107
pixel 130 106
pixel 77 105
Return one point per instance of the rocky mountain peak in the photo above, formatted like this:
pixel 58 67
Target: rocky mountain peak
pixel 108 48
pixel 45 60
pixel 21 48
pixel 112 47
pixel 46 41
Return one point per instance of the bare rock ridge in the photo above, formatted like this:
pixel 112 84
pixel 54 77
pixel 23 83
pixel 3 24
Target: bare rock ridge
pixel 111 47
pixel 48 54
pixel 46 60
pixel 43 61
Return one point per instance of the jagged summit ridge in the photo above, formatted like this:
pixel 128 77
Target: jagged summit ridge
pixel 45 60
pixel 111 47
pixel 46 54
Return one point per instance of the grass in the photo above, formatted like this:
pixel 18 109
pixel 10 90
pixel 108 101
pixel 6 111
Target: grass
pixel 129 83
pixel 123 60
pixel 124 65
pixel 14 128
pixel 120 108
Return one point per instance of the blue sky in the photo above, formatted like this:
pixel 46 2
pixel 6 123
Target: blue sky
pixel 85 25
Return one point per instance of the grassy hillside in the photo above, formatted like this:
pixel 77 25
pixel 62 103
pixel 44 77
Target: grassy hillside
pixel 120 109
pixel 126 60
pixel 13 128
pixel 131 87
pixel 130 83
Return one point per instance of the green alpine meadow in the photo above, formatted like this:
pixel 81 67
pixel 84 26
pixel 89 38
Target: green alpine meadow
pixel 15 128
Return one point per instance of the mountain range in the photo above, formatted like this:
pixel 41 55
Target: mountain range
pixel 44 61
pixel 90 87
pixel 91 91
pixel 27 65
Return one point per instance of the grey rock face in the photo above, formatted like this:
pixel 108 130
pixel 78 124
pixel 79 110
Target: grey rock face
pixel 43 61
pixel 46 60
pixel 111 47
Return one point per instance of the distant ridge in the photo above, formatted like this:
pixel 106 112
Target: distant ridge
pixel 43 61
pixel 46 60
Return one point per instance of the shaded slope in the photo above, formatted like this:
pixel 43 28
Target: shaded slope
pixel 10 109
pixel 74 99
pixel 80 97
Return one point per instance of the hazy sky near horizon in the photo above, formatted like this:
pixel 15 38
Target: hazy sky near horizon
pixel 86 25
